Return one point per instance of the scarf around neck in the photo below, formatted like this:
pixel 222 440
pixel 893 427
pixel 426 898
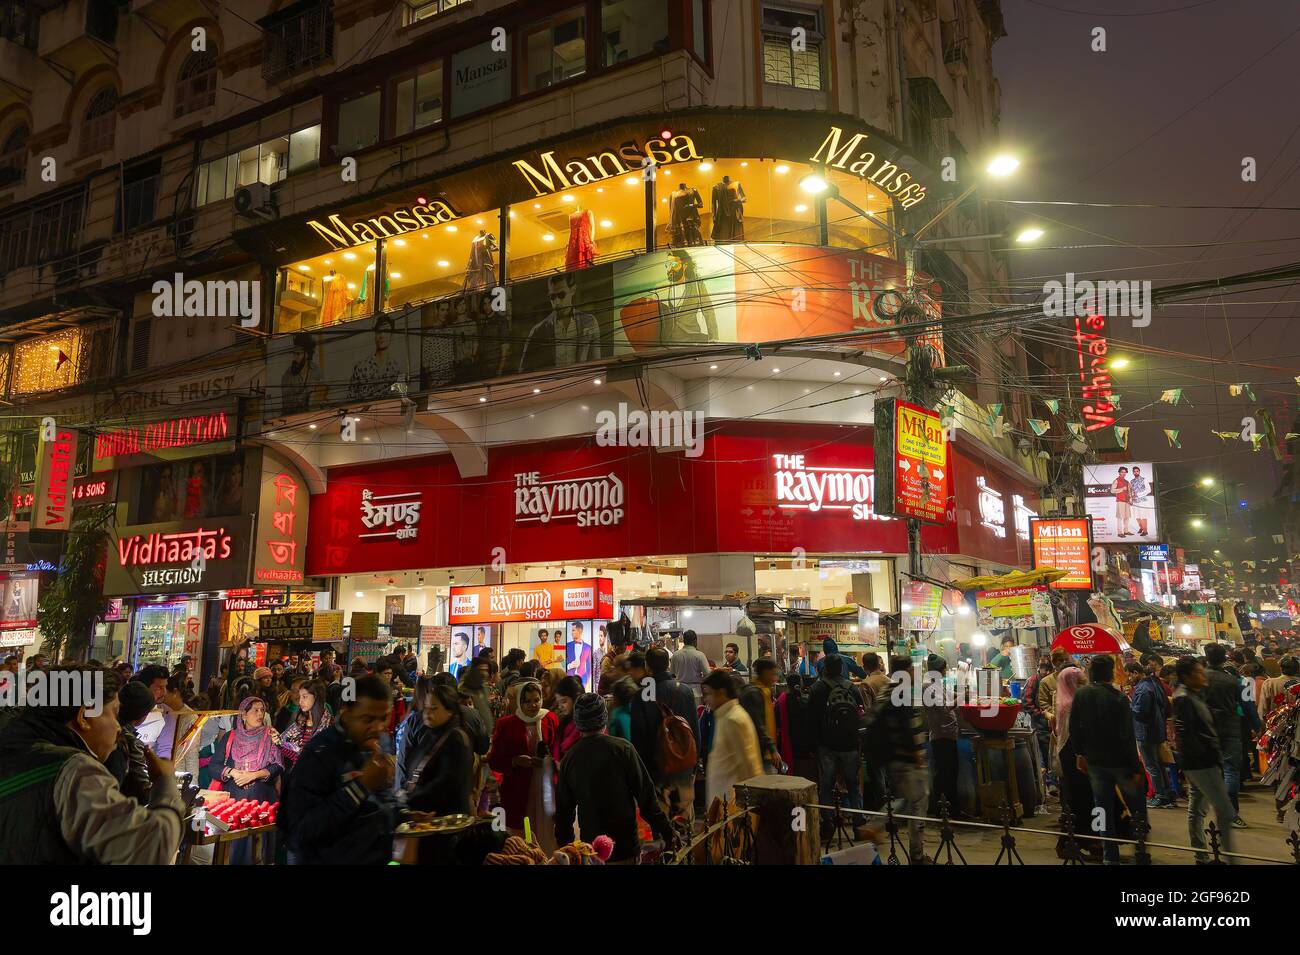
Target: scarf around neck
pixel 252 749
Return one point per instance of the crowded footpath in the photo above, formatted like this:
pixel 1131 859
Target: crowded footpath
pixel 514 763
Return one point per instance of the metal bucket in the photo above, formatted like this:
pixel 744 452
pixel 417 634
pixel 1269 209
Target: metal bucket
pixel 1024 661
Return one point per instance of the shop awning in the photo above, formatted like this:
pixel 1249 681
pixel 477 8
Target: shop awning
pixel 1016 578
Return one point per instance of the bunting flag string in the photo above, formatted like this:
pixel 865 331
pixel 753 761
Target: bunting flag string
pixel 1172 396
pixel 1241 388
pixel 1225 435
pixel 1040 426
pixel 1121 435
pixel 1172 435
pixel 1054 404
pixel 1076 428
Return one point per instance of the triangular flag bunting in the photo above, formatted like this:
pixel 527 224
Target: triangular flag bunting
pixel 1076 428
pixel 1040 426
pixel 1172 435
pixel 1291 436
pixel 1255 440
pixel 1121 435
pixel 995 409
pixel 1238 390
pixel 1224 435
pixel 1114 402
pixel 1054 404
pixel 1172 396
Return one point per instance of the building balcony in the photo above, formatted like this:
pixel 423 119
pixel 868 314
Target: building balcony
pixel 170 15
pixel 79 36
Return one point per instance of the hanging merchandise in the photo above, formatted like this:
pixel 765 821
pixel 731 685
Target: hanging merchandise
pixel 728 202
pixel 684 225
pixel 481 272
pixel 581 253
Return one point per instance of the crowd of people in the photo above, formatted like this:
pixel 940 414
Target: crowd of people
pixel 649 759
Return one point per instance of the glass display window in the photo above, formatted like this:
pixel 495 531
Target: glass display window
pixel 847 229
pixel 163 631
pixel 734 200
pixel 446 259
pixel 328 289
pixel 632 28
pixel 547 234
pixel 555 50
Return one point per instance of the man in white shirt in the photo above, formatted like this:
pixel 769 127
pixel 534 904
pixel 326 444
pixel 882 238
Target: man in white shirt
pixel 690 665
pixel 734 756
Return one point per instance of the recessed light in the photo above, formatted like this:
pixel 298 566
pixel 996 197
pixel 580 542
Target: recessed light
pixel 394 275
pixel 349 256
pixel 705 166
pixel 600 188
pixel 329 261
pixel 783 169
pixel 837 374
pixel 566 198
pixel 776 371
pixel 537 205
pixel 512 213
pixel 452 228
pixel 548 238
pixel 631 180
pixel 606 224
pixel 801 207
pixel 482 400
pixel 478 221
pixel 399 242
pixel 585 408
pixel 360 594
pixel 352 285
pixel 807 391
pixel 744 165
pixel 424 235
pixel 304 268
pixel 749 387
pixel 713 368
pixel 596 382
pixel 443 263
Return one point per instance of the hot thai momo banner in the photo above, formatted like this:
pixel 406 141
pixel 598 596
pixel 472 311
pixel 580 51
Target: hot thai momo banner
pixel 642 304
pixel 1121 500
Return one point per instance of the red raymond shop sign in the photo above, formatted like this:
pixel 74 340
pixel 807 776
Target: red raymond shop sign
pixel 542 600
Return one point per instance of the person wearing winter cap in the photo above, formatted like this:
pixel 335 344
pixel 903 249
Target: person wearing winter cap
pixel 831 648
pixel 604 782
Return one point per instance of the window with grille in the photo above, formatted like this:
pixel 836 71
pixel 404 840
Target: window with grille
pixel 297 38
pixel 100 122
pixel 41 232
pixel 783 65
pixel 138 199
pixel 417 11
pixel 13 156
pixel 196 86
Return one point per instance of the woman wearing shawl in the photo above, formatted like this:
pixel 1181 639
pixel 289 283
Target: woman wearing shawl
pixel 522 748
pixel 1075 787
pixel 247 760
pixel 312 717
pixel 567 692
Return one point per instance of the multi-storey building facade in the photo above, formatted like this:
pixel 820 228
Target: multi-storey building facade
pixel 336 290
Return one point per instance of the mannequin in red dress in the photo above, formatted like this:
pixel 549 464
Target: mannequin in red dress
pixel 581 252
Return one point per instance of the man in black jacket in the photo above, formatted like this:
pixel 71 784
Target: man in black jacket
pixel 661 687
pixel 837 715
pixel 1200 757
pixel 1101 728
pixel 1223 695
pixel 328 811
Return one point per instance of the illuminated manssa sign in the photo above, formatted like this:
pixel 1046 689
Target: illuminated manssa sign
pixel 866 165
pixel 341 235
pixel 555 175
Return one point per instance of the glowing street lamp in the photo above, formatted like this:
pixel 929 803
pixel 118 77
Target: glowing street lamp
pixel 1002 166
pixel 1032 234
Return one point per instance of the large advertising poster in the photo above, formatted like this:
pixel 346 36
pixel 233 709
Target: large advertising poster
pixel 578 653
pixel 738 293
pixel 1063 543
pixel 527 602
pixel 1020 607
pixel 1121 500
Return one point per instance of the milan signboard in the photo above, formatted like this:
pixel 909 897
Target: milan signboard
pixel 912 475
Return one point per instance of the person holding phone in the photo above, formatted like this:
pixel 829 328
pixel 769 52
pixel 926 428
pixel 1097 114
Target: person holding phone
pixel 522 747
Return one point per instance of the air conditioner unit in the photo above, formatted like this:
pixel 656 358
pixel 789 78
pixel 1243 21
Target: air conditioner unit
pixel 255 201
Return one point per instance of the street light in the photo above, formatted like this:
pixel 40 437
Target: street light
pixel 1207 482
pixel 1002 166
pixel 1119 363
pixel 1031 234
pixel 1197 522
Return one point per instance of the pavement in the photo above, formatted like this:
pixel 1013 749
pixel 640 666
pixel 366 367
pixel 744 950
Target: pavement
pixel 1265 838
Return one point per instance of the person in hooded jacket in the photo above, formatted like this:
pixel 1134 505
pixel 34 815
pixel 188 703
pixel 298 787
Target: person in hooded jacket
pixel 1150 710
pixel 677 792
pixel 831 648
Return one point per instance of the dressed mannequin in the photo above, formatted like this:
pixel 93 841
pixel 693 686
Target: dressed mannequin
pixel 336 299
pixel 728 211
pixel 684 226
pixel 481 272
pixel 581 252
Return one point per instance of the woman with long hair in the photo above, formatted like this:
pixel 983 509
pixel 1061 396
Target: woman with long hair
pixel 441 777
pixel 412 731
pixel 567 692
pixel 312 717
pixel 1076 790
pixel 521 753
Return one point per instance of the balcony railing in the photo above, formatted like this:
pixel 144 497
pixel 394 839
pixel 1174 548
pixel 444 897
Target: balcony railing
pixel 20 21
pixel 297 39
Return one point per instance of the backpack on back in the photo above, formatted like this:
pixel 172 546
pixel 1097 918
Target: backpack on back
pixel 842 719
pixel 675 750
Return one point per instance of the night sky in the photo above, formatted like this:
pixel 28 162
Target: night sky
pixel 1165 117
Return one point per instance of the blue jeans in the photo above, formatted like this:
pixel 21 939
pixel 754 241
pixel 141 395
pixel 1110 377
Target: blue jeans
pixel 849 765
pixel 1150 753
pixel 1232 772
pixel 1104 782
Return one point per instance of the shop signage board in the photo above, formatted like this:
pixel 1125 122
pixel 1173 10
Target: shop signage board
pixel 587 500
pixel 921 604
pixel 17 638
pixel 165 558
pixel 285 626
pixel 802 485
pixel 53 494
pixel 1021 607
pixel 545 174
pixel 280 555
pixel 1154 553
pixel 168 439
pixel 341 234
pixel 1121 500
pixel 591 599
pixel 405 626
pixel 364 625
pixel 1088 639
pixel 853 153
pixel 19 595
pixel 480 77
pixel 395 515
pixel 94 490
pixel 916 482
pixel 1191 577
pixel 327 626
pixel 1063 543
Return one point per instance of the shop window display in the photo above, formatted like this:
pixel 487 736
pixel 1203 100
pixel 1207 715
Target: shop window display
pixel 847 229
pixel 447 259
pixel 331 288
pixel 722 201
pixel 574 229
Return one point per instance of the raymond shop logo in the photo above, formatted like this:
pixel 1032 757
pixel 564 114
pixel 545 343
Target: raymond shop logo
pixel 802 487
pixel 535 604
pixel 397 514
pixel 590 501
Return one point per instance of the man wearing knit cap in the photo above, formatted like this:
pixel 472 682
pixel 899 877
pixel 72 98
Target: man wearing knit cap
pixel 603 780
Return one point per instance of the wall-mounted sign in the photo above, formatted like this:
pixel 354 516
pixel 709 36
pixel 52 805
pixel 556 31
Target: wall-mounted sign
pixel 364 625
pixel 246 598
pixel 1023 607
pixel 17 638
pixel 284 626
pixel 18 600
pixel 993 509
pixel 587 501
pixel 551 175
pixel 801 486
pixel 1121 500
pixel 327 626
pixel 343 235
pixel 164 558
pixel 1191 577
pixel 139 444
pixel 1094 376
pixel 281 549
pixel 1154 552
pixel 546 600
pixel 883 173
pixel 405 626
pixel 55 459
pixel 1063 543
pixel 920 603
pixel 916 481
pixel 480 77
pixel 395 516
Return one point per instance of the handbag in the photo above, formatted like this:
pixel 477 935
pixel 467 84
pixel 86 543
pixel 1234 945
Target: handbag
pixel 1166 754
